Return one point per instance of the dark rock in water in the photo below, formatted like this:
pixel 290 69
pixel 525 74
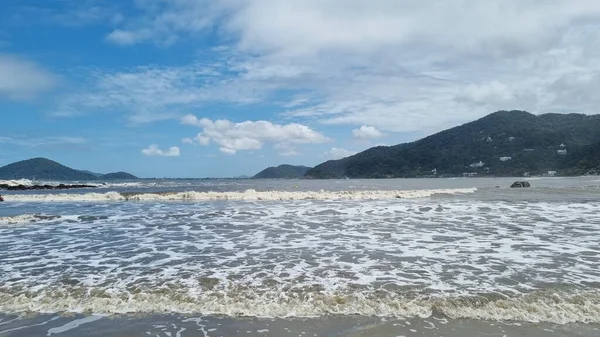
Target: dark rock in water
pixel 520 184
pixel 42 187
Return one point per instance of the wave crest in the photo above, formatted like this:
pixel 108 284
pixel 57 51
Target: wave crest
pixel 247 195
pixel 24 218
pixel 539 306
pixel 17 182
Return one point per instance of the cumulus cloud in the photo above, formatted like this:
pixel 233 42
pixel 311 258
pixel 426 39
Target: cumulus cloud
pixel 187 141
pixel 21 79
pixel 251 135
pixel 338 153
pixel 366 132
pixel 153 151
pixel 202 139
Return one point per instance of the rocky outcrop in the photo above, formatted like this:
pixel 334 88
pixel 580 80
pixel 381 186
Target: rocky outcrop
pixel 520 184
pixel 42 187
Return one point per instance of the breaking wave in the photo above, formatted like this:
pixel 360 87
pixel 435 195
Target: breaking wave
pixel 17 182
pixel 24 218
pixel 539 306
pixel 248 195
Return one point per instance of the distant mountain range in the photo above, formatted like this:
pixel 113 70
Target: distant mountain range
pixel 282 172
pixel 46 169
pixel 504 143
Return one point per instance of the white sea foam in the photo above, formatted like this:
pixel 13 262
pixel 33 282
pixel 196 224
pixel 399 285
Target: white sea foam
pixel 534 261
pixel 125 185
pixel 73 325
pixel 24 182
pixel 556 307
pixel 20 219
pixel 248 195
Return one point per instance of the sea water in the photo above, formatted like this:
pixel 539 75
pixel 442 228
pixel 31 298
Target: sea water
pixel 287 257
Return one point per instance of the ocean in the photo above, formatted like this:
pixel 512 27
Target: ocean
pixel 401 257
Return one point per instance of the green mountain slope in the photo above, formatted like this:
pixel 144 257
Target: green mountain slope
pixel 282 172
pixel 42 169
pixel 92 173
pixel 46 169
pixel 503 143
pixel 585 160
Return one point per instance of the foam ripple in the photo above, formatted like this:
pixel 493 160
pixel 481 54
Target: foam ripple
pixel 17 182
pixel 24 218
pixel 249 195
pixel 541 306
pixel 534 261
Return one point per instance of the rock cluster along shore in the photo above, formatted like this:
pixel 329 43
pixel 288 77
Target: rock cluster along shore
pixel 42 187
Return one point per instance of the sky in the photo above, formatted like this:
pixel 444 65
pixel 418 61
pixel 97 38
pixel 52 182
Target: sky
pixel 196 88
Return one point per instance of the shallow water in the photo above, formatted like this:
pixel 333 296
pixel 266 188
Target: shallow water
pixel 177 325
pixel 458 250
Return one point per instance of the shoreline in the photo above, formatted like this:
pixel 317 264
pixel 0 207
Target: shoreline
pixel 349 326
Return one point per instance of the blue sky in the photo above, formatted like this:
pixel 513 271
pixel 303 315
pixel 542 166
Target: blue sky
pixel 195 88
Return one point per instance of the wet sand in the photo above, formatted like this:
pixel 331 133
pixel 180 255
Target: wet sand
pixel 330 326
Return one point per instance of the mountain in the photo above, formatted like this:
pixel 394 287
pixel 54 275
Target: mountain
pixel 92 173
pixel 504 143
pixel 118 176
pixel 282 172
pixel 42 169
pixel 46 169
pixel 586 159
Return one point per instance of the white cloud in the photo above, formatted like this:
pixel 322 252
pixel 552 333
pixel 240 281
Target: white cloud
pixel 125 38
pixel 310 27
pixel 153 150
pixel 43 141
pixel 416 66
pixel 202 140
pixel 251 135
pixel 486 93
pixel 164 22
pixel 65 13
pixel 146 93
pixel 187 141
pixel 366 132
pixel 286 149
pixel 398 66
pixel 576 92
pixel 190 120
pixel 338 153
pixel 227 150
pixel 21 79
